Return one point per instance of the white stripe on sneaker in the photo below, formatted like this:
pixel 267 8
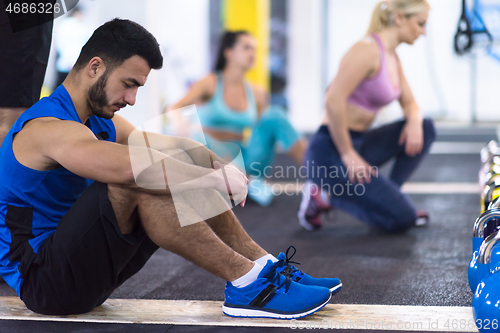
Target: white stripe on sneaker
pixel 251 313
pixel 337 287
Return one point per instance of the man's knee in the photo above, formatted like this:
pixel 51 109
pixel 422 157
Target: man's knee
pixel 131 196
pixel 121 190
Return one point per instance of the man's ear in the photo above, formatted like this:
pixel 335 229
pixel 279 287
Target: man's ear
pixel 95 66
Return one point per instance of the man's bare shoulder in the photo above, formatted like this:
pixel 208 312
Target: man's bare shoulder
pixel 47 127
pixel 42 134
pixel 42 138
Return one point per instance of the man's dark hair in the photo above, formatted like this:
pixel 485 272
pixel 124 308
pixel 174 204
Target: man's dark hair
pixel 118 40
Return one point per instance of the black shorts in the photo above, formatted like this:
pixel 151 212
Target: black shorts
pixel 85 259
pixel 23 60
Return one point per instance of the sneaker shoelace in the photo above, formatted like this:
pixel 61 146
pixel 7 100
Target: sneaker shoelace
pixel 275 278
pixel 289 269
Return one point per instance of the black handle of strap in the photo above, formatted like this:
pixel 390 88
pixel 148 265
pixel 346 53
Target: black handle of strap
pixel 464 40
pixel 463 37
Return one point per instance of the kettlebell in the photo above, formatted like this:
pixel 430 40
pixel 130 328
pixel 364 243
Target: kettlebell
pixel 494 204
pixel 487 219
pixel 490 191
pixel 486 301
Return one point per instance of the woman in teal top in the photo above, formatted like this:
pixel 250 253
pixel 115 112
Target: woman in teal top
pixel 233 110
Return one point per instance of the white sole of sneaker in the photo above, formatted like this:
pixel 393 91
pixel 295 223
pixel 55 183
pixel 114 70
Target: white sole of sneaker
pixel 302 221
pixel 335 289
pixel 306 196
pixel 422 222
pixel 251 313
pixel 301 214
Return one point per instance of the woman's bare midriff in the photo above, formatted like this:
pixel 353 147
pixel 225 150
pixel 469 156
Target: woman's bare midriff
pixel 223 136
pixel 358 119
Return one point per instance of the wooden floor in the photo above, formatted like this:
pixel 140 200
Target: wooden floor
pixel 333 316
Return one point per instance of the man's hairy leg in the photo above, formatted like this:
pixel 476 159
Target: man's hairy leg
pixel 230 230
pixel 224 224
pixel 196 242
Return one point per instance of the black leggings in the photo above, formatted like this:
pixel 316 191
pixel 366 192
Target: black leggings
pixel 379 203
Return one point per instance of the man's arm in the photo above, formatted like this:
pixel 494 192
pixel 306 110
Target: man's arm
pixel 198 152
pixel 74 147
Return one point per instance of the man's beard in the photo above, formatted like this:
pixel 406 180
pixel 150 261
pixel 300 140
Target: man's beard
pixel 97 98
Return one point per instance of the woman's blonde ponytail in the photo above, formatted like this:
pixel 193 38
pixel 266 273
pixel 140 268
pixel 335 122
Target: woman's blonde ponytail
pixel 380 17
pixel 383 13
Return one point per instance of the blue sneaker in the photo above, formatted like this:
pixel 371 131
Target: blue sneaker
pixel 273 295
pixel 283 266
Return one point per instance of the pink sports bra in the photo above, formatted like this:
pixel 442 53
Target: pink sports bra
pixel 374 93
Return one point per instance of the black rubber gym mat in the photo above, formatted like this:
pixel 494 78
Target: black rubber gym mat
pixel 426 266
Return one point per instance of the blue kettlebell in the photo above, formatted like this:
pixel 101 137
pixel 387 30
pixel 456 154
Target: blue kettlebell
pixel 477 270
pixel 486 302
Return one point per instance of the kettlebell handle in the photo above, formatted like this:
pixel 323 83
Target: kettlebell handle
pixel 494 204
pixel 478 230
pixel 484 256
pixel 489 151
pixel 488 195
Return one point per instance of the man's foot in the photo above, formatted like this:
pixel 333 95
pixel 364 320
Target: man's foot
pixel 312 205
pixel 259 191
pixel 422 219
pixel 273 295
pixel 283 266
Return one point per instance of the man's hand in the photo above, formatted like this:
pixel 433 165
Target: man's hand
pixel 359 171
pixel 232 180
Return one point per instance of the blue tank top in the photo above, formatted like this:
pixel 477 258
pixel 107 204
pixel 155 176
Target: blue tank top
pixel 32 202
pixel 216 115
